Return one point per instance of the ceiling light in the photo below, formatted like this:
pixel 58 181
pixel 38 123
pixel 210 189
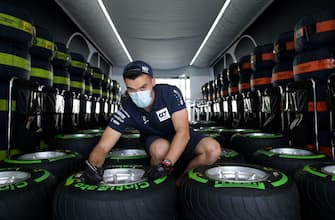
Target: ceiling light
pixel 104 10
pixel 223 9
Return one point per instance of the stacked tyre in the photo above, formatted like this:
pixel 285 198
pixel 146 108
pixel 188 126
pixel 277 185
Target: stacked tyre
pixel 97 80
pixel 16 37
pixel 282 74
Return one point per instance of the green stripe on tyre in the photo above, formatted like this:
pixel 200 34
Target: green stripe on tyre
pixel 137 157
pixel 315 156
pixel 16 23
pixel 78 64
pixel 44 43
pixel 62 80
pixel 77 85
pixel 62 56
pixel 41 73
pixel 192 175
pixel 14 61
pixel 283 180
pixel 4 105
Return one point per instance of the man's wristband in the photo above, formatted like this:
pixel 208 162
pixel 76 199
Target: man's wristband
pixel 167 163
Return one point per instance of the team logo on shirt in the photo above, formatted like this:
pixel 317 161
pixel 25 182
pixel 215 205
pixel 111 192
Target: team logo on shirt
pixel 163 114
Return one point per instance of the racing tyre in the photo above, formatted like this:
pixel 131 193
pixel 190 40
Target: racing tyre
pixel 124 194
pixel 127 156
pixel 227 133
pixel 317 190
pixel 285 159
pixel 248 143
pixel 238 191
pixel 61 163
pixel 26 193
pixel 81 143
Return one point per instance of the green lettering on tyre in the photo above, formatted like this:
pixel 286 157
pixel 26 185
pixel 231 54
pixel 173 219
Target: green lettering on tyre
pixel 12 187
pixel 283 180
pixel 195 176
pixel 308 169
pixel 255 185
pixel 45 175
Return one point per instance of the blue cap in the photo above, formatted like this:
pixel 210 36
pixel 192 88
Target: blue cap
pixel 138 66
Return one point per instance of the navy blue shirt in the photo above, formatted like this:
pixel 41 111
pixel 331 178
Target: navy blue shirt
pixel 168 99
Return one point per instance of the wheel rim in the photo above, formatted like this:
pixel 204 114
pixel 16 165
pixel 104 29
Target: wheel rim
pixel 41 155
pixel 128 153
pixel 292 151
pixel 91 131
pixel 122 176
pixel 130 136
pixel 329 170
pixel 237 130
pixel 76 136
pixel 238 174
pixel 263 135
pixel 12 177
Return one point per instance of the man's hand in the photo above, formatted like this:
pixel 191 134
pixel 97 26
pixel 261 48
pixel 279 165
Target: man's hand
pixel 162 169
pixel 92 174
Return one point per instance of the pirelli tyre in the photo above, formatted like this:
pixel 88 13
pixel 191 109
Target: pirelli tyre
pixel 198 124
pixel 16 25
pixel 238 191
pixel 124 194
pixel 129 140
pixel 248 143
pixel 283 47
pixel 78 65
pixel 81 143
pixel 14 61
pixel 60 163
pixel 227 133
pixel 262 58
pixel 315 31
pixel 43 45
pixel 41 71
pixel 317 190
pixel 230 156
pixel 26 193
pixel 286 159
pixel 62 58
pixel 61 80
pixel 127 156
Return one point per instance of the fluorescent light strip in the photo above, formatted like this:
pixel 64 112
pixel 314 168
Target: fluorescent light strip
pixel 223 9
pixel 104 10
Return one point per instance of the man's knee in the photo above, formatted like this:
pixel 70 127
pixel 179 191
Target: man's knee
pixel 159 149
pixel 211 149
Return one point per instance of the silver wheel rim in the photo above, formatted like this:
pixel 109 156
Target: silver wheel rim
pixel 128 153
pixel 122 176
pixel 258 134
pixel 12 177
pixel 292 151
pixel 41 155
pixel 330 170
pixel 237 174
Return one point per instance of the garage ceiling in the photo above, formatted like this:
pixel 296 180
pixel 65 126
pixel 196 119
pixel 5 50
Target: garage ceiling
pixel 166 34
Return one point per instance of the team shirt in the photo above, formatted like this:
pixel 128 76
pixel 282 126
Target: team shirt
pixel 168 99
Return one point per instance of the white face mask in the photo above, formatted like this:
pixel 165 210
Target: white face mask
pixel 142 99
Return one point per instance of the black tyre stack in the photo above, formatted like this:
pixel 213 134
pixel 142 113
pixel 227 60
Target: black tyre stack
pixel 97 79
pixel 16 37
pixel 77 71
pixel 86 100
pixel 262 61
pixel 61 62
pixel 103 117
pixel 42 52
pixel 244 70
pixel 115 91
pixel 282 74
pixel 233 78
pixel 314 60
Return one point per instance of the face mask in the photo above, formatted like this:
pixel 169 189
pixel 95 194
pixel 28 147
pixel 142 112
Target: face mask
pixel 141 99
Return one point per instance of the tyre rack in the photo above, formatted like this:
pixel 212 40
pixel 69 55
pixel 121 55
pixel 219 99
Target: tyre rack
pixel 292 106
pixel 37 104
pixel 331 102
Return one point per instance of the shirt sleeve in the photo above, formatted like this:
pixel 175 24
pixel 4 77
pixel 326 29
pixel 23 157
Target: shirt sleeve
pixel 176 101
pixel 120 120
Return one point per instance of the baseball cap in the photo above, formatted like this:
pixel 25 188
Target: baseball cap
pixel 138 66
